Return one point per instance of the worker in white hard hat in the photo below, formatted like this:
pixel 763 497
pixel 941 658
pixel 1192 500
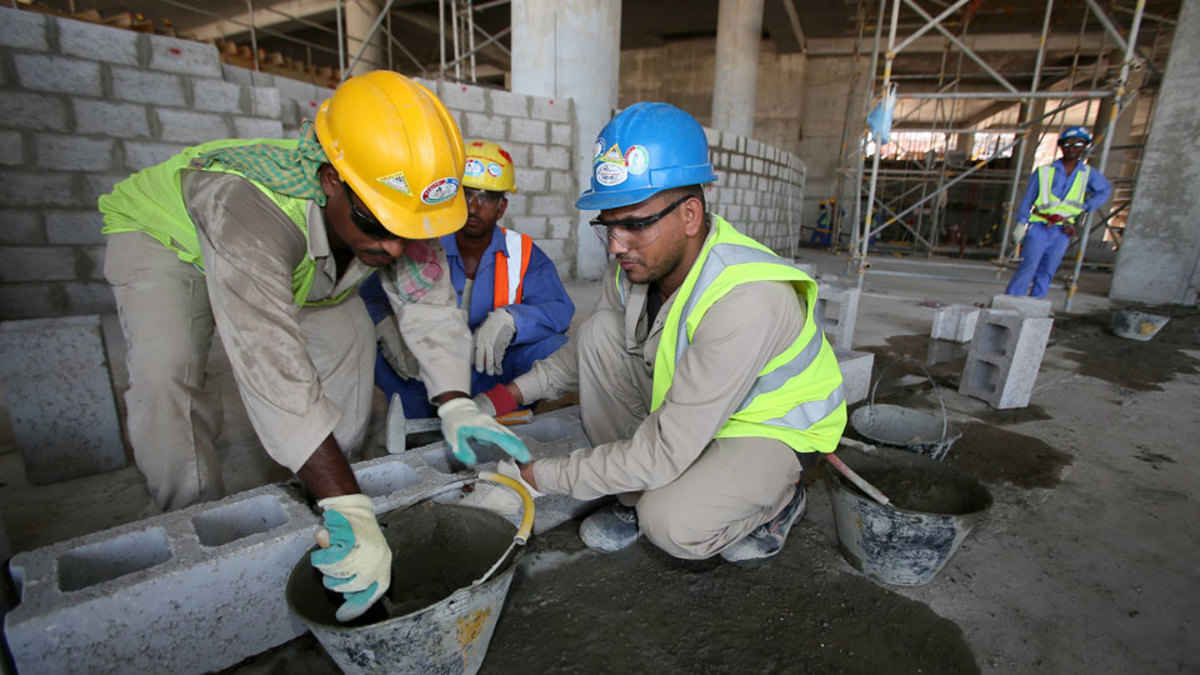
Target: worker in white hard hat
pixel 266 241
pixel 516 306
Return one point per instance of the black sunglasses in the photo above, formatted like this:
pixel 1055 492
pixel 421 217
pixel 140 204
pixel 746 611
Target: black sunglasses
pixel 365 222
pixel 639 223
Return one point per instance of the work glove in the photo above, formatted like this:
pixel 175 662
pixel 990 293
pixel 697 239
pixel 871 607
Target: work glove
pixel 1069 230
pixel 463 422
pixel 496 402
pixel 394 349
pixel 357 562
pixel 497 498
pixel 1018 233
pixel 492 339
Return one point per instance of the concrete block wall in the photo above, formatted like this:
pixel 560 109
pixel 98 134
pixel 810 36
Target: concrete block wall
pixel 759 189
pixel 1005 357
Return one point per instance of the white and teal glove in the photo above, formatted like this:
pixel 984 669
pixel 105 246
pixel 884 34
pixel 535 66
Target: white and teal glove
pixel 1018 232
pixel 491 341
pixel 357 563
pixel 463 422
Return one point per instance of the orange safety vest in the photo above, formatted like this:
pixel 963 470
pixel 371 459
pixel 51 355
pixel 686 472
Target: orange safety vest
pixel 510 269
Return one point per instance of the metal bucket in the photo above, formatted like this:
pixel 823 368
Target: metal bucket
pixel 908 542
pixel 1134 325
pixel 900 427
pixel 433 620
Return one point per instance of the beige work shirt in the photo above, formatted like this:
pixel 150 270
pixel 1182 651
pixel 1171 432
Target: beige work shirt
pixel 738 335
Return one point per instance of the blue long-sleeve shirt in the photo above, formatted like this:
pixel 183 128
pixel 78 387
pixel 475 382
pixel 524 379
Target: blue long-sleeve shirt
pixel 1097 192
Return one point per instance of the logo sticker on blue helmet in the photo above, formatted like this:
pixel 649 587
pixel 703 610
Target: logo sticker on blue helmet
pixel 598 148
pixel 609 175
pixel 397 182
pixel 474 167
pixel 440 190
pixel 614 156
pixel 637 160
pixel 494 170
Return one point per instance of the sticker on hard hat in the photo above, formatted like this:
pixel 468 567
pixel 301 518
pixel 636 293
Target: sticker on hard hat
pixel 494 170
pixel 614 156
pixel 440 190
pixel 611 174
pixel 637 160
pixel 474 167
pixel 598 148
pixel 397 182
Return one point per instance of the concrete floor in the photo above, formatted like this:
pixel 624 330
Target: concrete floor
pixel 1087 561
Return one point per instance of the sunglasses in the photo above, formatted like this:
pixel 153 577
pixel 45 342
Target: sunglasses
pixel 482 197
pixel 633 231
pixel 366 222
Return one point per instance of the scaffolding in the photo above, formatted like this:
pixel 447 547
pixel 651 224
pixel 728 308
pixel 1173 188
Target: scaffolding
pixel 922 188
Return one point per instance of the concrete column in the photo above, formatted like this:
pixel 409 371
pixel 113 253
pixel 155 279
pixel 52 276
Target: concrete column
pixel 572 49
pixel 735 83
pixel 1159 258
pixel 360 16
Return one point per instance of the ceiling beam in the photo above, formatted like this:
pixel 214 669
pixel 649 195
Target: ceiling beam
pixel 1009 42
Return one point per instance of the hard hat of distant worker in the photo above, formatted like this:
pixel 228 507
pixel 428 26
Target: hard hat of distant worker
pixel 647 148
pixel 1074 132
pixel 489 167
pixel 400 151
pixel 822 202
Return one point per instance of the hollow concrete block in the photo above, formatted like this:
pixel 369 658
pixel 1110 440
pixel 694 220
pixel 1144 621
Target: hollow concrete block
pixel 955 323
pixel 1036 308
pixel 856 373
pixel 60 397
pixel 1006 354
pixel 836 313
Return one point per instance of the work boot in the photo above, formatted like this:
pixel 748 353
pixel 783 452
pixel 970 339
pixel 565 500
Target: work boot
pixel 610 529
pixel 767 539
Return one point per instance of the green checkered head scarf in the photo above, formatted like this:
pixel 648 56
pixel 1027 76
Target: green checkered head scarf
pixel 289 171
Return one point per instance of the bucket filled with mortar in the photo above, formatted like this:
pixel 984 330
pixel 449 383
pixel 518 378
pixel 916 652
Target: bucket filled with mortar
pixel 907 542
pixel 451 569
pixel 900 427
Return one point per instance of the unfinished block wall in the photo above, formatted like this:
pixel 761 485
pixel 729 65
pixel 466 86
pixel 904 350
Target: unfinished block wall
pixel 759 189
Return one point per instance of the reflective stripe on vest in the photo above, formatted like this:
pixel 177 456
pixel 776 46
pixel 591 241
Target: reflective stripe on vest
pixel 510 269
pixel 1070 205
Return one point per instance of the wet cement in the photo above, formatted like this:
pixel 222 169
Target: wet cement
pixel 916 490
pixel 995 455
pixel 1142 366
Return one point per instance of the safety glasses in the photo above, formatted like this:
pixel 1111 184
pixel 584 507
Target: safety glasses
pixel 633 232
pixel 1073 144
pixel 482 197
pixel 366 222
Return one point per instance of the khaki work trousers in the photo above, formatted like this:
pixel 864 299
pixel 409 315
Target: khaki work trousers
pixel 734 486
pixel 172 421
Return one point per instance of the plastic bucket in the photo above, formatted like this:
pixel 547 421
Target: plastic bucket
pixel 900 427
pixel 908 542
pixel 433 620
pixel 1134 325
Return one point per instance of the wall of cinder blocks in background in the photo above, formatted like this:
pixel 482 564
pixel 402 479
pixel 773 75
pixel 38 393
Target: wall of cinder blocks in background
pixel 760 189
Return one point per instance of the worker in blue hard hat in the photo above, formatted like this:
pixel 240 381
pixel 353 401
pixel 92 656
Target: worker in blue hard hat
pixel 1058 196
pixel 705 385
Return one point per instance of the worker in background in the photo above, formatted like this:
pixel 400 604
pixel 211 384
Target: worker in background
pixel 822 235
pixel 516 306
pixel 267 241
pixel 1058 196
pixel 705 385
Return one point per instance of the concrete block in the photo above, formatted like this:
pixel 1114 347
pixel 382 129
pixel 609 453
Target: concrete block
pixel 216 96
pixel 531 180
pixel 518 205
pixel 562 134
pixel 551 157
pixel 548 205
pixel 254 78
pixel 534 226
pixel 562 182
pixel 556 250
pixel 58 74
pixel 836 313
pixel 464 97
pixel 1036 308
pixel 550 109
pixel 139 155
pixel 20 29
pixel 955 323
pixel 264 102
pixel 140 86
pixel 98 184
pixel 12 148
pixel 560 228
pixel 856 373
pixel 713 137
pixel 86 297
pixel 33 111
pixel 174 55
pixel 509 104
pixel 74 227
pixel 122 120
pixel 296 90
pixel 527 131
pixel 192 127
pixel 96 42
pixel 60 397
pixel 1006 354
pixel 21 227
pixel 477 126
pixel 255 127
pixel 73 153
pixel 23 188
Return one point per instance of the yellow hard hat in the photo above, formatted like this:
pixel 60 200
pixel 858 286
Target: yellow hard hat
pixel 399 149
pixel 489 167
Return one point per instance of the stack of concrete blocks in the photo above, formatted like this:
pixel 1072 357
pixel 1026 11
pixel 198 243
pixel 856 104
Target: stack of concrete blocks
pixel 759 189
pixel 1006 354
pixel 955 323
pixel 836 313
pixel 201 589
pixel 856 373
pixel 60 397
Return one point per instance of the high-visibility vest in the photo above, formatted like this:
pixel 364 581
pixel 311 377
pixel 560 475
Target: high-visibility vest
pixel 151 201
pixel 511 268
pixel 797 398
pixel 1071 203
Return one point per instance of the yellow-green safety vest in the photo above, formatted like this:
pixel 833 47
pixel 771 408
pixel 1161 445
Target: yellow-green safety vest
pixel 1070 205
pixel 797 398
pixel 151 201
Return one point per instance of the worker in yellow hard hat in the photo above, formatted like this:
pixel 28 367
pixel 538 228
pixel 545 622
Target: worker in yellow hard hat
pixel 267 240
pixel 517 308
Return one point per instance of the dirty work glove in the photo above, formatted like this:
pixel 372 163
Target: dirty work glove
pixel 1069 230
pixel 394 350
pixel 1018 233
pixel 492 339
pixel 496 402
pixel 357 562
pixel 500 499
pixel 463 422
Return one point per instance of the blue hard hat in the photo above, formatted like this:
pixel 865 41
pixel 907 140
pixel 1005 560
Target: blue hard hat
pixel 1075 132
pixel 647 148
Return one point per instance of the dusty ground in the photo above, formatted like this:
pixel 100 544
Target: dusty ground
pixel 1086 563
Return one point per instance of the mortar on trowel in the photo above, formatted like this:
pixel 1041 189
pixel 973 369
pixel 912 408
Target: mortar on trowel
pixel 451 569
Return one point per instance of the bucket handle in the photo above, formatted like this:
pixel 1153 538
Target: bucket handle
pixel 936 391
pixel 522 535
